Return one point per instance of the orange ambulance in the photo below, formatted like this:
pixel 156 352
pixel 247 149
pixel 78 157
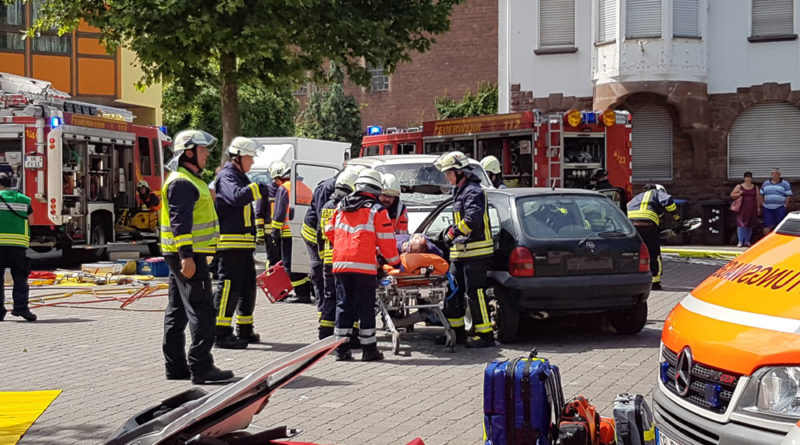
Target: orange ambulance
pixel 729 370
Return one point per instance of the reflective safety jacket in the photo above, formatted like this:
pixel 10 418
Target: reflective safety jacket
pixel 280 210
pixel 183 231
pixel 360 227
pixel 14 210
pixel 651 205
pixel 325 246
pixel 471 218
pixel 234 193
pixel 320 197
pixel 264 208
pixel 398 213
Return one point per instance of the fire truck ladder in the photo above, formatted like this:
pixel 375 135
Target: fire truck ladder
pixel 555 149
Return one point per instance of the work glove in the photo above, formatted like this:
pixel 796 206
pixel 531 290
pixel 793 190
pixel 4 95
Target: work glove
pixel 448 235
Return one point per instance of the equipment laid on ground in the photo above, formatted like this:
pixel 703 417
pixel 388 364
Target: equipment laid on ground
pixel 407 298
pixel 80 164
pixel 579 423
pixel 275 283
pixel 522 401
pixel 634 420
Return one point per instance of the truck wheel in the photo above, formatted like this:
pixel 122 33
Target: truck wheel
pixel 504 317
pixel 99 234
pixel 629 321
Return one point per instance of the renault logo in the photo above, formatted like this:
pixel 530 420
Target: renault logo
pixel 683 372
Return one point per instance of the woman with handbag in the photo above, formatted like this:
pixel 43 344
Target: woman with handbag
pixel 746 205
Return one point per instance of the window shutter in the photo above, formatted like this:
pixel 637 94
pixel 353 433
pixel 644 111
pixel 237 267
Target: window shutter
pixel 643 19
pixel 773 17
pixel 652 144
pixel 764 137
pixel 684 18
pixel 606 20
pixel 556 23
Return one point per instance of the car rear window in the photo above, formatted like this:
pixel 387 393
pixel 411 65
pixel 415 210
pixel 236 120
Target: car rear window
pixel 576 216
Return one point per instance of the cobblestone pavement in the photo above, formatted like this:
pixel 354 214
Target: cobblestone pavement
pixel 109 365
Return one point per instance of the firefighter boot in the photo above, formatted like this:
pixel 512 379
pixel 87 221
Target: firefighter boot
pixel 26 314
pixel 481 341
pixel 229 341
pixel 245 332
pixel 354 342
pixel 343 353
pixel 461 337
pixel 370 353
pixel 213 375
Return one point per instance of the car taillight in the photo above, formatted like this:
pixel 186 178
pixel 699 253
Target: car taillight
pixel 644 259
pixel 520 264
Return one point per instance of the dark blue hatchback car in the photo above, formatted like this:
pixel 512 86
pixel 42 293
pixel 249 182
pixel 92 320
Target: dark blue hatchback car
pixel 559 252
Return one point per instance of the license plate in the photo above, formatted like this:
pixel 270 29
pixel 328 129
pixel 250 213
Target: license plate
pixel 34 161
pixel 663 439
pixel 588 263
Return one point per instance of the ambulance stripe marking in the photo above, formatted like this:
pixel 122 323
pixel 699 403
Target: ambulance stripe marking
pixel 749 319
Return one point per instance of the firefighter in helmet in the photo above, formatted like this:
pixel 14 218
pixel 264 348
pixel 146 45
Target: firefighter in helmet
pixel 359 228
pixel 492 167
pixel 146 197
pixel 281 233
pixel 648 210
pixel 236 291
pixel 471 245
pixel 390 198
pixel 189 233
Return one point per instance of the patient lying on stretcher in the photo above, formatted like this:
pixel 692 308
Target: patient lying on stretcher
pixel 418 256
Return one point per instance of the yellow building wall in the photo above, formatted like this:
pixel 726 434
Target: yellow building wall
pixel 147 103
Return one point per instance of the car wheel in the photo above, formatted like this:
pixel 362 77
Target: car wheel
pixel 99 235
pixel 504 317
pixel 629 321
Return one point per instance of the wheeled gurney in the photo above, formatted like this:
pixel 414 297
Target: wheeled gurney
pixel 407 298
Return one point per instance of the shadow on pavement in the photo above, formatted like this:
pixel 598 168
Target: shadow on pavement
pixel 305 381
pixel 93 433
pixel 56 320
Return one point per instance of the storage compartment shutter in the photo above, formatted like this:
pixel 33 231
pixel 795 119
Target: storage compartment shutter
pixel 643 19
pixel 556 23
pixel 652 144
pixel 684 18
pixel 606 20
pixel 764 137
pixel 772 17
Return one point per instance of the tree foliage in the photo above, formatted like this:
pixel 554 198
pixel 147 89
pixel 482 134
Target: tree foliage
pixel 264 113
pixel 484 102
pixel 331 114
pixel 233 42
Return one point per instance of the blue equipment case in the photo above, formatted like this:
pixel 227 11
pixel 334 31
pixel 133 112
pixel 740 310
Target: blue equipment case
pixel 522 399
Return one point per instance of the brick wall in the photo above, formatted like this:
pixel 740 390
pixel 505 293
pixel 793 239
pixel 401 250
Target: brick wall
pixel 458 62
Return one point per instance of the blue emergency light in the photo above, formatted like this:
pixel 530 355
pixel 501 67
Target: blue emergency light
pixel 374 130
pixel 589 117
pixel 55 122
pixel 163 129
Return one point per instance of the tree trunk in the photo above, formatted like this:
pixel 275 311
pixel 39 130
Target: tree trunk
pixel 231 119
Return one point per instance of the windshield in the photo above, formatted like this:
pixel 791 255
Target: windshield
pixel 572 217
pixel 423 178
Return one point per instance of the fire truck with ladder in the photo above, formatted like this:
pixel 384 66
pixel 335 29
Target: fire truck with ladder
pixel 535 149
pixel 80 164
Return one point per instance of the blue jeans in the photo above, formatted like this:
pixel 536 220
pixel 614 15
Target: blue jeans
pixel 744 234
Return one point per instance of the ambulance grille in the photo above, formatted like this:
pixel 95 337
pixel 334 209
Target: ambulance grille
pixel 790 227
pixel 702 386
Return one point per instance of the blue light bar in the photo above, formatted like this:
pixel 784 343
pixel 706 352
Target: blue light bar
pixel 589 117
pixel 163 129
pixel 55 122
pixel 374 130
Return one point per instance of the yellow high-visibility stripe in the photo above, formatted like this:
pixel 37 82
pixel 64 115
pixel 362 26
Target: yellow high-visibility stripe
pixel 223 304
pixel 456 322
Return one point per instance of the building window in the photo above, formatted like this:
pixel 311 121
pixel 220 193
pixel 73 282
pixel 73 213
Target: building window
pixel 685 18
pixel 12 26
pixel 49 41
pixel 302 90
pixel 380 81
pixel 556 24
pixel 651 143
pixel 772 18
pixel 606 21
pixel 763 137
pixel 643 19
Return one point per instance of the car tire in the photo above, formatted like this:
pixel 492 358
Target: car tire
pixel 631 320
pixel 504 317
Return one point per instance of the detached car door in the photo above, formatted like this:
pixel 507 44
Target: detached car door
pixel 306 176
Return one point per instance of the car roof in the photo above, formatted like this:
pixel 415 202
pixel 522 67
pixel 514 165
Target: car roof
pixel 398 159
pixel 542 191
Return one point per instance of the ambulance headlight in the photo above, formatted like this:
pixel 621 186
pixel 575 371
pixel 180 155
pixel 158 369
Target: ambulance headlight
pixel 773 391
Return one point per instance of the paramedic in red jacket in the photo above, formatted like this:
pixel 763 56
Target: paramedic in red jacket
pixel 390 198
pixel 360 227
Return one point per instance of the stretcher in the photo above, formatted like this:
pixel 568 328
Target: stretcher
pixel 410 297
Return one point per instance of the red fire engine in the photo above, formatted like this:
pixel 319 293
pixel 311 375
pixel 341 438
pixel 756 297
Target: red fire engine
pixel 80 164
pixel 535 149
